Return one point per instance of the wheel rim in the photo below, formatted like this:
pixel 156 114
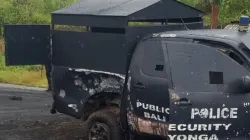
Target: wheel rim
pixel 99 131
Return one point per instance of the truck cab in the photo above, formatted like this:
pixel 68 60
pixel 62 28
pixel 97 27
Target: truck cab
pixel 191 85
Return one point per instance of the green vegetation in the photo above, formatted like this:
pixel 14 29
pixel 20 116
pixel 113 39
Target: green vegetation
pixel 38 12
pixel 25 12
pixel 229 10
pixel 29 11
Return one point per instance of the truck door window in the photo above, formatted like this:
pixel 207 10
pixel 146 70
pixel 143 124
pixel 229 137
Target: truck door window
pixel 227 50
pixel 204 68
pixel 153 63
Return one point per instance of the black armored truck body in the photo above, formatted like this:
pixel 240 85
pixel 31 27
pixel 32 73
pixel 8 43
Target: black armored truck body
pixel 207 92
pixel 167 78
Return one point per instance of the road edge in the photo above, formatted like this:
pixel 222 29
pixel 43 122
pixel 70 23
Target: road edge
pixel 19 88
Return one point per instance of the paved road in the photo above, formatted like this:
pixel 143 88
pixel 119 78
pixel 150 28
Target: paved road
pixel 29 118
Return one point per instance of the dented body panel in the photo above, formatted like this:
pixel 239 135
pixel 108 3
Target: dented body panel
pixel 74 88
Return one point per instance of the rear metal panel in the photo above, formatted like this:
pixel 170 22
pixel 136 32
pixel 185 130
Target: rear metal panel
pixel 89 20
pixel 101 51
pixel 136 33
pixel 95 51
pixel 26 44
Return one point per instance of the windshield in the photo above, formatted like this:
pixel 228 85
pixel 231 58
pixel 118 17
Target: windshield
pixel 241 56
pixel 245 38
pixel 245 44
pixel 245 50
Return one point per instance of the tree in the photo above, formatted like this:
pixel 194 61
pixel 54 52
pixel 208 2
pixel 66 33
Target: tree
pixel 215 13
pixel 231 10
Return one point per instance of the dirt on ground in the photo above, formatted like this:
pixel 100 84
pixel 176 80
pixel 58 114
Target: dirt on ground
pixel 28 118
pixel 58 129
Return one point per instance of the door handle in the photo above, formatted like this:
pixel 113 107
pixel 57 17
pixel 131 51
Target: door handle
pixel 184 102
pixel 139 86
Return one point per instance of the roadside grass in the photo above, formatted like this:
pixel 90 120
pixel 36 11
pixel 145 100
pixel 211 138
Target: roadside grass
pixel 26 78
pixel 25 12
pixel 21 75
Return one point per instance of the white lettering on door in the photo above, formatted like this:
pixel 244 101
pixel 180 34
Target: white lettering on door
pixel 158 112
pixel 155 117
pixel 212 113
pixel 193 137
pixel 153 108
pixel 198 127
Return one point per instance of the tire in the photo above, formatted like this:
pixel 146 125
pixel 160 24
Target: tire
pixel 104 120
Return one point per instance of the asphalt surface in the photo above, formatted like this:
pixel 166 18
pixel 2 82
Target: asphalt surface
pixel 30 118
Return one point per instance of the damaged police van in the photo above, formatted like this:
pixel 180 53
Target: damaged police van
pixel 170 80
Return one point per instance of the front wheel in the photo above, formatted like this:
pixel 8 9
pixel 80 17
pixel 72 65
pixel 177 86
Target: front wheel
pixel 99 131
pixel 103 125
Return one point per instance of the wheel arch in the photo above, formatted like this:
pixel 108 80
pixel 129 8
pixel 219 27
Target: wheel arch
pixel 99 101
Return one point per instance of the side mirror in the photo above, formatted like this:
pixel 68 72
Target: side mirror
pixel 246 83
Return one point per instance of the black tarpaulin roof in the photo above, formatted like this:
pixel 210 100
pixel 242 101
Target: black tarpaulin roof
pixel 116 13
